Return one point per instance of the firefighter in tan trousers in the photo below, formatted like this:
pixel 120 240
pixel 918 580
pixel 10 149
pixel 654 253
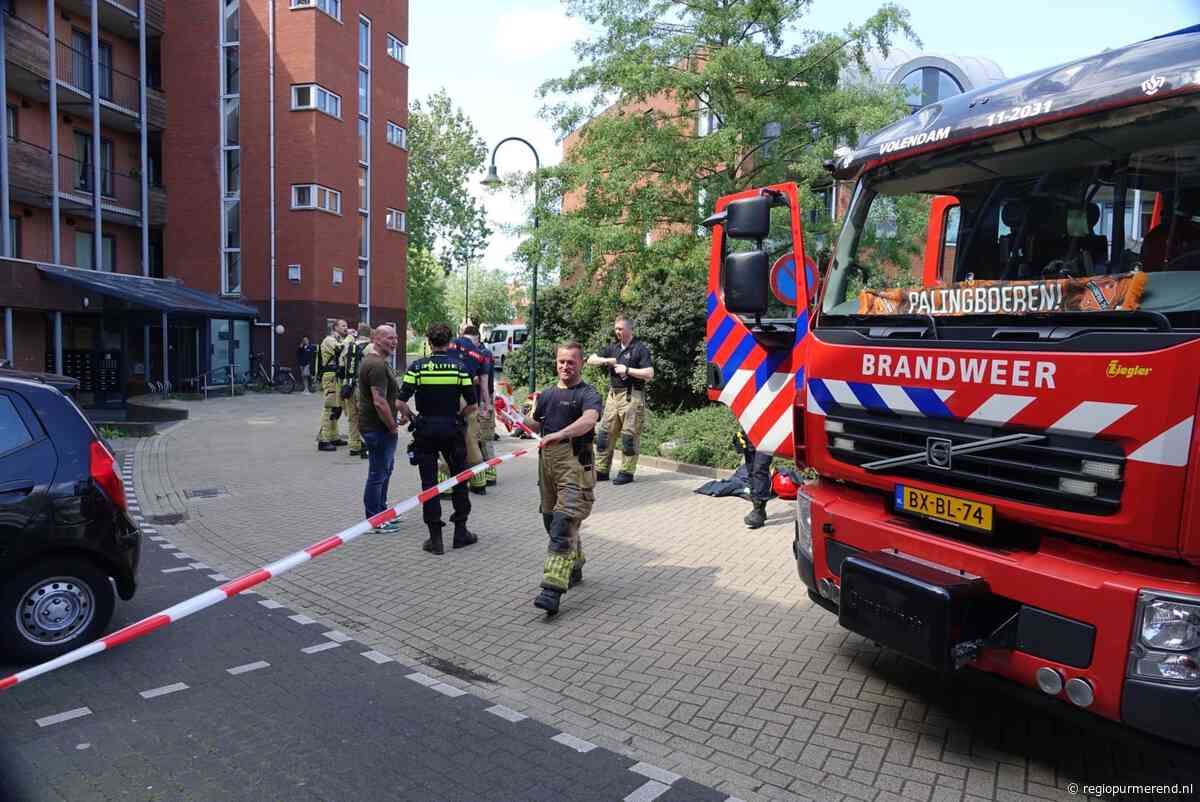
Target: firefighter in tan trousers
pixel 330 373
pixel 629 368
pixel 566 416
pixel 356 348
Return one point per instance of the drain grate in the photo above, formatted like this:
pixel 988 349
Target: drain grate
pixel 170 519
pixel 455 670
pixel 206 492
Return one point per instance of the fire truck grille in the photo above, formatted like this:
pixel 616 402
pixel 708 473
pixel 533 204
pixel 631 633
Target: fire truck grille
pixel 1079 474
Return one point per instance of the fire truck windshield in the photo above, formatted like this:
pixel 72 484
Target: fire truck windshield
pixel 1100 220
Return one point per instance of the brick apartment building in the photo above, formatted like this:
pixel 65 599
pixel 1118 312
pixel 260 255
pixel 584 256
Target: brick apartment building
pixel 272 194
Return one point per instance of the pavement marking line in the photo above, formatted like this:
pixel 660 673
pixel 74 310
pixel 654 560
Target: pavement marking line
pixel 571 742
pixel 203 601
pixel 270 604
pixel 147 530
pixel 177 570
pixel 198 566
pixel 218 577
pixel 340 637
pixel 157 538
pixel 424 679
pixel 655 773
pixel 154 693
pixel 448 690
pixel 59 718
pixel 507 713
pixel 650 790
pixel 179 555
pixel 248 667
pixel 167 546
pixel 300 618
pixel 734 799
pixel 379 658
pixel 320 647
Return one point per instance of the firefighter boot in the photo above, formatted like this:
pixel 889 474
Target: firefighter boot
pixel 576 575
pixel 463 537
pixel 433 544
pixel 548 600
pixel 757 517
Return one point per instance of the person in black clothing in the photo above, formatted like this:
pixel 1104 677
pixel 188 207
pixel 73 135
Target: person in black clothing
pixel 306 352
pixel 758 465
pixel 629 368
pixel 439 383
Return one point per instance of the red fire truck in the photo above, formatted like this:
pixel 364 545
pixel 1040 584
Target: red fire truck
pixel 1008 471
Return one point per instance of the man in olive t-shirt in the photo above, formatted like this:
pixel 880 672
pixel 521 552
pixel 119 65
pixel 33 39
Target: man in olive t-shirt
pixel 376 398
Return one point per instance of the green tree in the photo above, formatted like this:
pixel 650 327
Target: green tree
pixel 426 291
pixel 774 98
pixel 444 151
pixel 491 301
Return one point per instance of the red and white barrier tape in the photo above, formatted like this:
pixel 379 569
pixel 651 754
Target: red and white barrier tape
pixel 219 594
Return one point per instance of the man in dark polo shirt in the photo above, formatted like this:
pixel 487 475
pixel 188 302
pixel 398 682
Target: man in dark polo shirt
pixel 566 416
pixel 629 368
pixel 377 395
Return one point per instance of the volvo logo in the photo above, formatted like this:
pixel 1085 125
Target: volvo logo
pixel 937 452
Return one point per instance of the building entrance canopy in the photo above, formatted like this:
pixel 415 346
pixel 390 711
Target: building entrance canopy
pixel 163 295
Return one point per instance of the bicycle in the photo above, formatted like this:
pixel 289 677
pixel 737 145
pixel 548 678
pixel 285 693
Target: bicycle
pixel 260 380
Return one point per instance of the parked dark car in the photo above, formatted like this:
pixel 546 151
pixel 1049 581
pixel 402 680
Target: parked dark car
pixel 68 545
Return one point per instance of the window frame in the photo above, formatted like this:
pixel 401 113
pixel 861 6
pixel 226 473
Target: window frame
pixel 10 118
pixel 320 5
pixel 108 244
pixel 393 40
pixel 338 277
pixel 314 204
pixel 315 99
pixel 392 216
pixel 403 135
pixel 14 235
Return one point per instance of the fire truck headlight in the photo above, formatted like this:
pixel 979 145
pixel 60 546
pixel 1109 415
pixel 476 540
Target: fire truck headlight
pixel 1171 626
pixel 843 443
pixel 1176 667
pixel 1078 487
pixel 1104 470
pixel 804 523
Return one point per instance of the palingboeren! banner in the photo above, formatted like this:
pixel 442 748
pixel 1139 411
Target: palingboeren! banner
pixel 1121 292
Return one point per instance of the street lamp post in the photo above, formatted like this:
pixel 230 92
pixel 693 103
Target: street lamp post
pixel 492 181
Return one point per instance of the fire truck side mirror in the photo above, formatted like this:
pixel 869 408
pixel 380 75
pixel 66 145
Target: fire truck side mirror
pixel 749 218
pixel 746 283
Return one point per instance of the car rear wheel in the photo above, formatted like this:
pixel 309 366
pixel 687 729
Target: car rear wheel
pixel 53 607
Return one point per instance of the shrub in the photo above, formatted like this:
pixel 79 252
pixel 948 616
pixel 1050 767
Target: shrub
pixel 704 435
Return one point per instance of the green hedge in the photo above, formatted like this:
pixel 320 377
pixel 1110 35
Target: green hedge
pixel 704 436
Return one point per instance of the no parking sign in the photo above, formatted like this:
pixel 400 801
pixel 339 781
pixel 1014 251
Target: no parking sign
pixel 783 277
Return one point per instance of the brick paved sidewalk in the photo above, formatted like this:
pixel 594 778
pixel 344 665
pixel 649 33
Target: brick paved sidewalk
pixel 690 645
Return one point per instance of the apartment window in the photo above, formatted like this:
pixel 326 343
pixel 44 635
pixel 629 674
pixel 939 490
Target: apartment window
pixel 362 284
pixel 364 164
pixel 364 43
pixel 397 135
pixel 10 114
pixel 315 196
pixel 364 92
pixel 315 97
pixel 81 63
pixel 364 237
pixel 363 198
pixel 395 220
pixel 294 273
pixel 707 121
pixel 83 251
pixel 395 48
pixel 364 148
pixel 83 164
pixel 331 7
pixel 14 236
pixel 338 276
pixel 229 113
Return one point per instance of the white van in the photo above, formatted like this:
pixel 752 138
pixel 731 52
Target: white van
pixel 503 339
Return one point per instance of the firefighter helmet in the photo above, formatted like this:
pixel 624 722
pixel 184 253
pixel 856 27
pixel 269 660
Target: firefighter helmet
pixel 784 485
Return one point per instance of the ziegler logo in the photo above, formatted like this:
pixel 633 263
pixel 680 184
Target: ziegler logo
pixel 1117 370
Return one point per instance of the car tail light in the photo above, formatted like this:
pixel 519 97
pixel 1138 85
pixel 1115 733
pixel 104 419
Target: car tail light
pixel 103 470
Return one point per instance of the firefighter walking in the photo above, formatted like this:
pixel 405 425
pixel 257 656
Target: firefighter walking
pixel 629 368
pixel 566 416
pixel 330 372
pixel 353 352
pixel 440 384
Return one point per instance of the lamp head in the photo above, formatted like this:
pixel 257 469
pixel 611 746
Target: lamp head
pixel 492 179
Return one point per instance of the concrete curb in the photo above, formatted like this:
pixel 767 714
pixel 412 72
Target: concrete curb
pixel 684 467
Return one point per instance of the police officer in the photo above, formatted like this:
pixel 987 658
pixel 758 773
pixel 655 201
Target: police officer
pixel 464 349
pixel 330 373
pixel 440 383
pixel 629 368
pixel 566 416
pixel 758 465
pixel 487 413
pixel 353 352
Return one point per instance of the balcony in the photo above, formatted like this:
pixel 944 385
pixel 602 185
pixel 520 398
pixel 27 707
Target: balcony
pixel 29 171
pixel 116 16
pixel 27 54
pixel 120 93
pixel 120 193
pixel 156 109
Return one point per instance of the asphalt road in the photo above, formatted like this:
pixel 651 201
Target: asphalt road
pixel 250 700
